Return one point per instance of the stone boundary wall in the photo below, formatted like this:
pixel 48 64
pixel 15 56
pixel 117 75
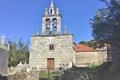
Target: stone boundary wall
pixel 32 75
pixel 85 59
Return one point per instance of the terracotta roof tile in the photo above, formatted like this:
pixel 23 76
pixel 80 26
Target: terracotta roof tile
pixel 83 48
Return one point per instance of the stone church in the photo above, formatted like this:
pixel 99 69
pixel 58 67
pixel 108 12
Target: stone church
pixel 51 48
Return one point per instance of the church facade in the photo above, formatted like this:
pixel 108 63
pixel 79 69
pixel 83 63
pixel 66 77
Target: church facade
pixel 52 48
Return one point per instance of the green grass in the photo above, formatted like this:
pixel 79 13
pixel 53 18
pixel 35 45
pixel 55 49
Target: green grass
pixel 43 74
pixel 52 75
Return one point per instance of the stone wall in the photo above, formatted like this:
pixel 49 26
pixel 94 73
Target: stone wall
pixel 4 56
pixel 85 59
pixel 62 53
pixel 33 75
pixel 103 56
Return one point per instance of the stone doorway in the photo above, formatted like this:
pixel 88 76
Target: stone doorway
pixel 50 63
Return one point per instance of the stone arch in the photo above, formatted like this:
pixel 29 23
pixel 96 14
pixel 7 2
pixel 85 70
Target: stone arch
pixel 54 19
pixel 47 20
pixel 54 24
pixel 47 25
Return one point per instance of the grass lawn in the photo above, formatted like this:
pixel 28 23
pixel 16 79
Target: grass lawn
pixel 45 75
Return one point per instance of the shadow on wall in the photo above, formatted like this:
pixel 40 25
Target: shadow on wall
pixel 3 78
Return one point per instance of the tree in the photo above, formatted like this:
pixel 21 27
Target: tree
pixel 19 51
pixel 106 27
pixel 91 43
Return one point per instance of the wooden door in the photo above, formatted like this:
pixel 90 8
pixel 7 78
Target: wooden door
pixel 50 63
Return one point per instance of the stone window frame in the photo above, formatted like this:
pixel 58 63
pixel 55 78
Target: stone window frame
pixel 51 47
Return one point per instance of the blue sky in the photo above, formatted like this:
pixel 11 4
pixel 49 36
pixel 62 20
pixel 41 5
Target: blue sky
pixel 21 18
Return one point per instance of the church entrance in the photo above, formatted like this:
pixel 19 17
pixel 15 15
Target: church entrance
pixel 50 63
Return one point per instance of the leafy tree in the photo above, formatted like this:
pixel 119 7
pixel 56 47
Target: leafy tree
pixel 106 27
pixel 18 51
pixel 91 43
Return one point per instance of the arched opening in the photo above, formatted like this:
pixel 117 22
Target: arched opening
pixel 51 11
pixel 48 21
pixel 54 24
pixel 47 26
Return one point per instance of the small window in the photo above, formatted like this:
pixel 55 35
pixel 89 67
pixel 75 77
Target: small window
pixel 51 47
pixel 51 11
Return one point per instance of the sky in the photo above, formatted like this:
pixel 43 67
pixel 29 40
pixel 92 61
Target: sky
pixel 22 18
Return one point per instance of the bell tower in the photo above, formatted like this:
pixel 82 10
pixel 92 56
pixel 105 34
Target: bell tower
pixel 51 21
pixel 51 48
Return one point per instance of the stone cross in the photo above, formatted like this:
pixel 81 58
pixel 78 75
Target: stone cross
pixel 2 39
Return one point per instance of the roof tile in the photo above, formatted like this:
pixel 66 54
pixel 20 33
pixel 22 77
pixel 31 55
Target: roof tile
pixel 83 48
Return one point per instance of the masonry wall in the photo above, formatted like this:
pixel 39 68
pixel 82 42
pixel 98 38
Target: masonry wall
pixel 85 59
pixel 62 53
pixel 4 56
pixel 103 56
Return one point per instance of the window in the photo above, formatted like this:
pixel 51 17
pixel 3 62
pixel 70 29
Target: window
pixel 51 11
pixel 51 47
